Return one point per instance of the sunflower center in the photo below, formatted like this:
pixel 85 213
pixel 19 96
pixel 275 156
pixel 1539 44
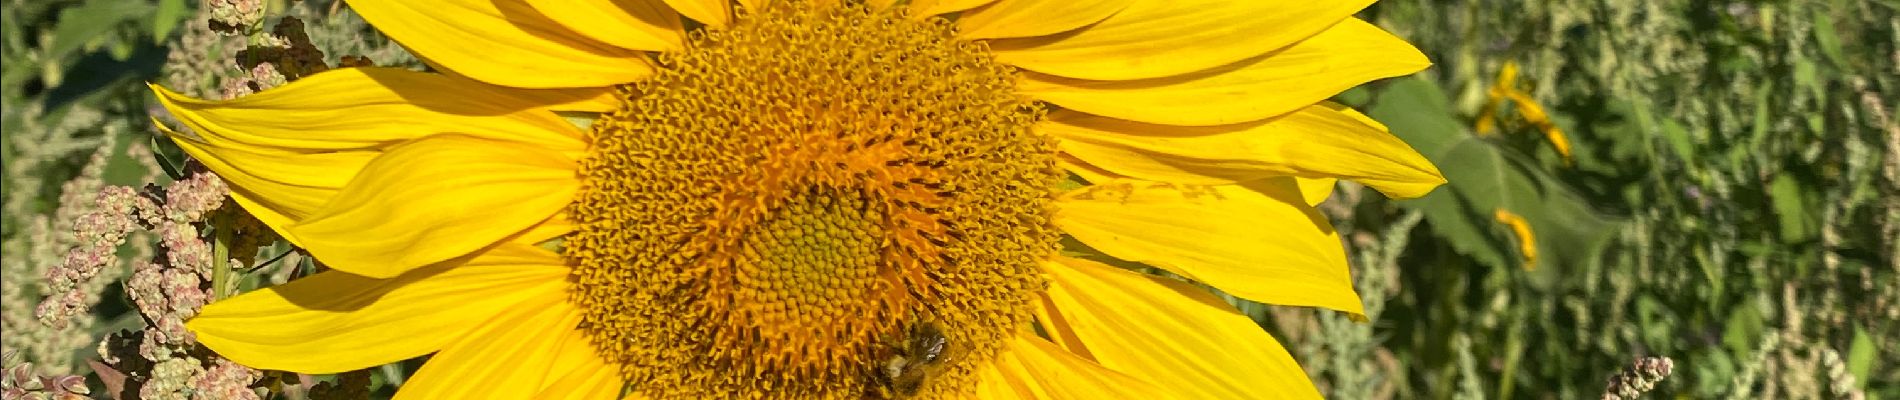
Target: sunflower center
pixel 815 252
pixel 789 203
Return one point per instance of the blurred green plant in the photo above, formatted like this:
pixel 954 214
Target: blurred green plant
pixel 1728 200
pixel 70 116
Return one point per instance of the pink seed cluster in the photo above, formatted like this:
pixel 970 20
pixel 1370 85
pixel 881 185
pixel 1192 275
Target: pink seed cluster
pixel 226 380
pixel 98 235
pixel 235 17
pixel 166 290
pixel 257 79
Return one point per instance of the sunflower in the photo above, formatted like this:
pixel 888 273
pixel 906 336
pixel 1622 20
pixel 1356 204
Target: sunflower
pixel 811 199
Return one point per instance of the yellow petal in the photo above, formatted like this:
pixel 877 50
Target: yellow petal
pixel 1057 328
pixel 335 321
pixel 515 355
pixel 1316 190
pixel 1172 333
pixel 1350 53
pixel 1157 38
pixel 504 42
pixel 993 383
pixel 548 229
pixel 1526 238
pixel 436 198
pixel 1029 367
pixel 287 151
pixel 592 382
pixel 713 13
pixel 360 108
pixel 1025 18
pixel 1321 141
pixel 933 7
pixel 585 100
pixel 1258 240
pixel 1088 172
pixel 279 189
pixel 648 25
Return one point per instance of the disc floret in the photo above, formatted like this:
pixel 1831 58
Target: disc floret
pixel 786 195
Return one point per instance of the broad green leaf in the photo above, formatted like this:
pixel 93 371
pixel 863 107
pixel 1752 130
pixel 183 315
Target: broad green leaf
pixel 1680 141
pixel 93 19
pixel 120 50
pixel 1627 138
pixel 1421 117
pixel 1807 76
pixel 168 156
pixel 1860 357
pixel 1828 38
pixel 1484 178
pixel 1355 97
pixel 122 168
pixel 1797 217
pixel 1743 329
pixel 1712 363
pixel 170 13
pixel 1652 311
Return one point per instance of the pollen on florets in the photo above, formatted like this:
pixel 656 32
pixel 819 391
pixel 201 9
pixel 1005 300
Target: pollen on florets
pixel 786 196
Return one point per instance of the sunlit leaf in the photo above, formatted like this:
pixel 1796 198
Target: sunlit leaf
pixel 1860 357
pixel 170 13
pixel 1484 178
pixel 1798 219
pixel 95 18
pixel 1828 38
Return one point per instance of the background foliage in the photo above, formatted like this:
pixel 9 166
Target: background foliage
pixel 1716 182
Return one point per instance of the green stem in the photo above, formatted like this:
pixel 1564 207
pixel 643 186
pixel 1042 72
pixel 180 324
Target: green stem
pixel 1513 352
pixel 220 257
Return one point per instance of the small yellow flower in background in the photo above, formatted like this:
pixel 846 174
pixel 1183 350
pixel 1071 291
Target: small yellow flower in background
pixel 1526 240
pixel 1507 88
pixel 815 199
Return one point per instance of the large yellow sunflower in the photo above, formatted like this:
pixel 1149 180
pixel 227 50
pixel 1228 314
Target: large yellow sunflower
pixel 810 199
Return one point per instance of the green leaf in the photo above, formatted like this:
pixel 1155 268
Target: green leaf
pixel 1712 364
pixel 1860 357
pixel 170 13
pixel 1743 329
pixel 92 20
pixel 163 150
pixel 1680 141
pixel 1828 38
pixel 1797 220
pixel 121 168
pixel 1625 128
pixel 1355 97
pixel 1421 117
pixel 1484 178
pixel 1763 111
pixel 1807 76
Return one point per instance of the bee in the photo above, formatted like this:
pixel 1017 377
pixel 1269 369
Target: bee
pixel 911 361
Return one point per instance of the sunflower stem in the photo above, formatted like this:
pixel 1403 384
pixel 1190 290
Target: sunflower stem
pixel 220 256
